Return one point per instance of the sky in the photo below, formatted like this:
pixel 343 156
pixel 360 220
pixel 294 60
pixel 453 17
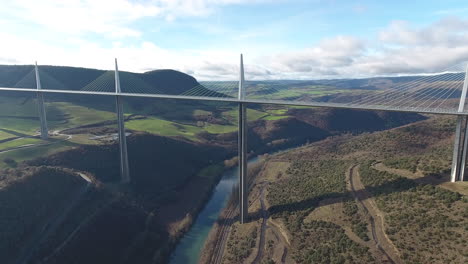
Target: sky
pixel 280 39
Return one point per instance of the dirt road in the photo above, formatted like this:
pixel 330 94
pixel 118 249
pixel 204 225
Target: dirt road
pixel 381 240
pixel 264 212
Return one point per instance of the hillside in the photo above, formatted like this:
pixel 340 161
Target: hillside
pixel 107 222
pixel 72 78
pixel 32 198
pixel 176 155
pixel 155 162
pixel 345 120
pixel 381 197
pixel 302 125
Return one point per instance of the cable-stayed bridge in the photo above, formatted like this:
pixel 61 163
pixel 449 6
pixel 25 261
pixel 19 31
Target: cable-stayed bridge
pixel 443 92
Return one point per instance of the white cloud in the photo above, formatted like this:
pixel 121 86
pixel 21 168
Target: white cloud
pixel 74 17
pixel 329 53
pixel 447 32
pixel 112 18
pixel 400 48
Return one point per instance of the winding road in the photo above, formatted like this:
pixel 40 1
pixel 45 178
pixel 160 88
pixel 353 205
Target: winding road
pixel 67 137
pixel 264 212
pixel 381 240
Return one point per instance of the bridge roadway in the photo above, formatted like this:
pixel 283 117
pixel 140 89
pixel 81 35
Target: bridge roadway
pixel 442 111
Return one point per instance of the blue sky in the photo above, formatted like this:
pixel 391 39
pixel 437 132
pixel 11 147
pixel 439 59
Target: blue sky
pixel 293 39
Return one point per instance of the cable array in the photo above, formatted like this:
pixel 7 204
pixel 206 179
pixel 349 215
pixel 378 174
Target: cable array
pixel 427 92
pixel 437 92
pixel 103 83
pixel 221 89
pixel 28 81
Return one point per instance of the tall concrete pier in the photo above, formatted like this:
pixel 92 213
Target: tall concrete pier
pixel 460 147
pixel 124 168
pixel 41 106
pixel 242 149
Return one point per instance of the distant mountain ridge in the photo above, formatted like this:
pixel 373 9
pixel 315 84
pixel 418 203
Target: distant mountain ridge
pixel 163 81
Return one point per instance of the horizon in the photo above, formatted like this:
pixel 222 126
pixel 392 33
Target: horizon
pixel 454 69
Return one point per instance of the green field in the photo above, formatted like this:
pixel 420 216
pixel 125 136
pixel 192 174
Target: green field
pixel 294 91
pixel 199 112
pixel 163 127
pixel 33 152
pixel 272 117
pixel 252 115
pixel 19 118
pixel 19 142
pixel 20 125
pixel 219 129
pixel 75 115
pixel 18 106
pixel 5 135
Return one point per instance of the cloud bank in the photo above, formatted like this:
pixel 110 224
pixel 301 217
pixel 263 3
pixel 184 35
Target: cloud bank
pixel 399 48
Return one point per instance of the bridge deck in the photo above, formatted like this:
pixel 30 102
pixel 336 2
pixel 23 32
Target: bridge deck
pixel 436 93
pixel 453 110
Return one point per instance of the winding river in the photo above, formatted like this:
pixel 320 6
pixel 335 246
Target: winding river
pixel 189 247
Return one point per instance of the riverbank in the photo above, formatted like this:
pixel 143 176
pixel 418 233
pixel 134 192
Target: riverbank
pixel 190 246
pixel 180 215
pixel 212 251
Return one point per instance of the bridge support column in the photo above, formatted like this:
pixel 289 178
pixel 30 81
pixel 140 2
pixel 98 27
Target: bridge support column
pixel 242 149
pixel 464 157
pixel 40 106
pixel 124 168
pixel 459 150
pixel 461 138
pixel 242 142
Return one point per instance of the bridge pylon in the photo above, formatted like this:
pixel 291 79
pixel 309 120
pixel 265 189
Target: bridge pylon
pixel 124 167
pixel 460 148
pixel 242 150
pixel 40 105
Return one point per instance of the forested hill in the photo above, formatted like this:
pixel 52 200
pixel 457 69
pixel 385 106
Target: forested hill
pixel 73 78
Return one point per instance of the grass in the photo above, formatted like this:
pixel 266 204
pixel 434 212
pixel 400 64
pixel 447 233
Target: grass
pixel 19 114
pixel 219 129
pixel 20 125
pixel 76 115
pixel 292 92
pixel 164 128
pixel 167 128
pixel 252 114
pixel 301 107
pixel 5 135
pixel 19 142
pixel 84 139
pixel 272 117
pixel 18 106
pixel 34 152
pixel 281 111
pixel 199 112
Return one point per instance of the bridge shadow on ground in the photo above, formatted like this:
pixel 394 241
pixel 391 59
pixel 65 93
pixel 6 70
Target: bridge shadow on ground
pixel 395 186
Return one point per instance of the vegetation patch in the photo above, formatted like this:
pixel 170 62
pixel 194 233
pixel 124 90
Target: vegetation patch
pixel 241 243
pixel 421 220
pixel 31 197
pixel 19 142
pixel 5 135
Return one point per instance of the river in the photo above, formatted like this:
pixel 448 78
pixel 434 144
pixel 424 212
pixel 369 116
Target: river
pixel 189 247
